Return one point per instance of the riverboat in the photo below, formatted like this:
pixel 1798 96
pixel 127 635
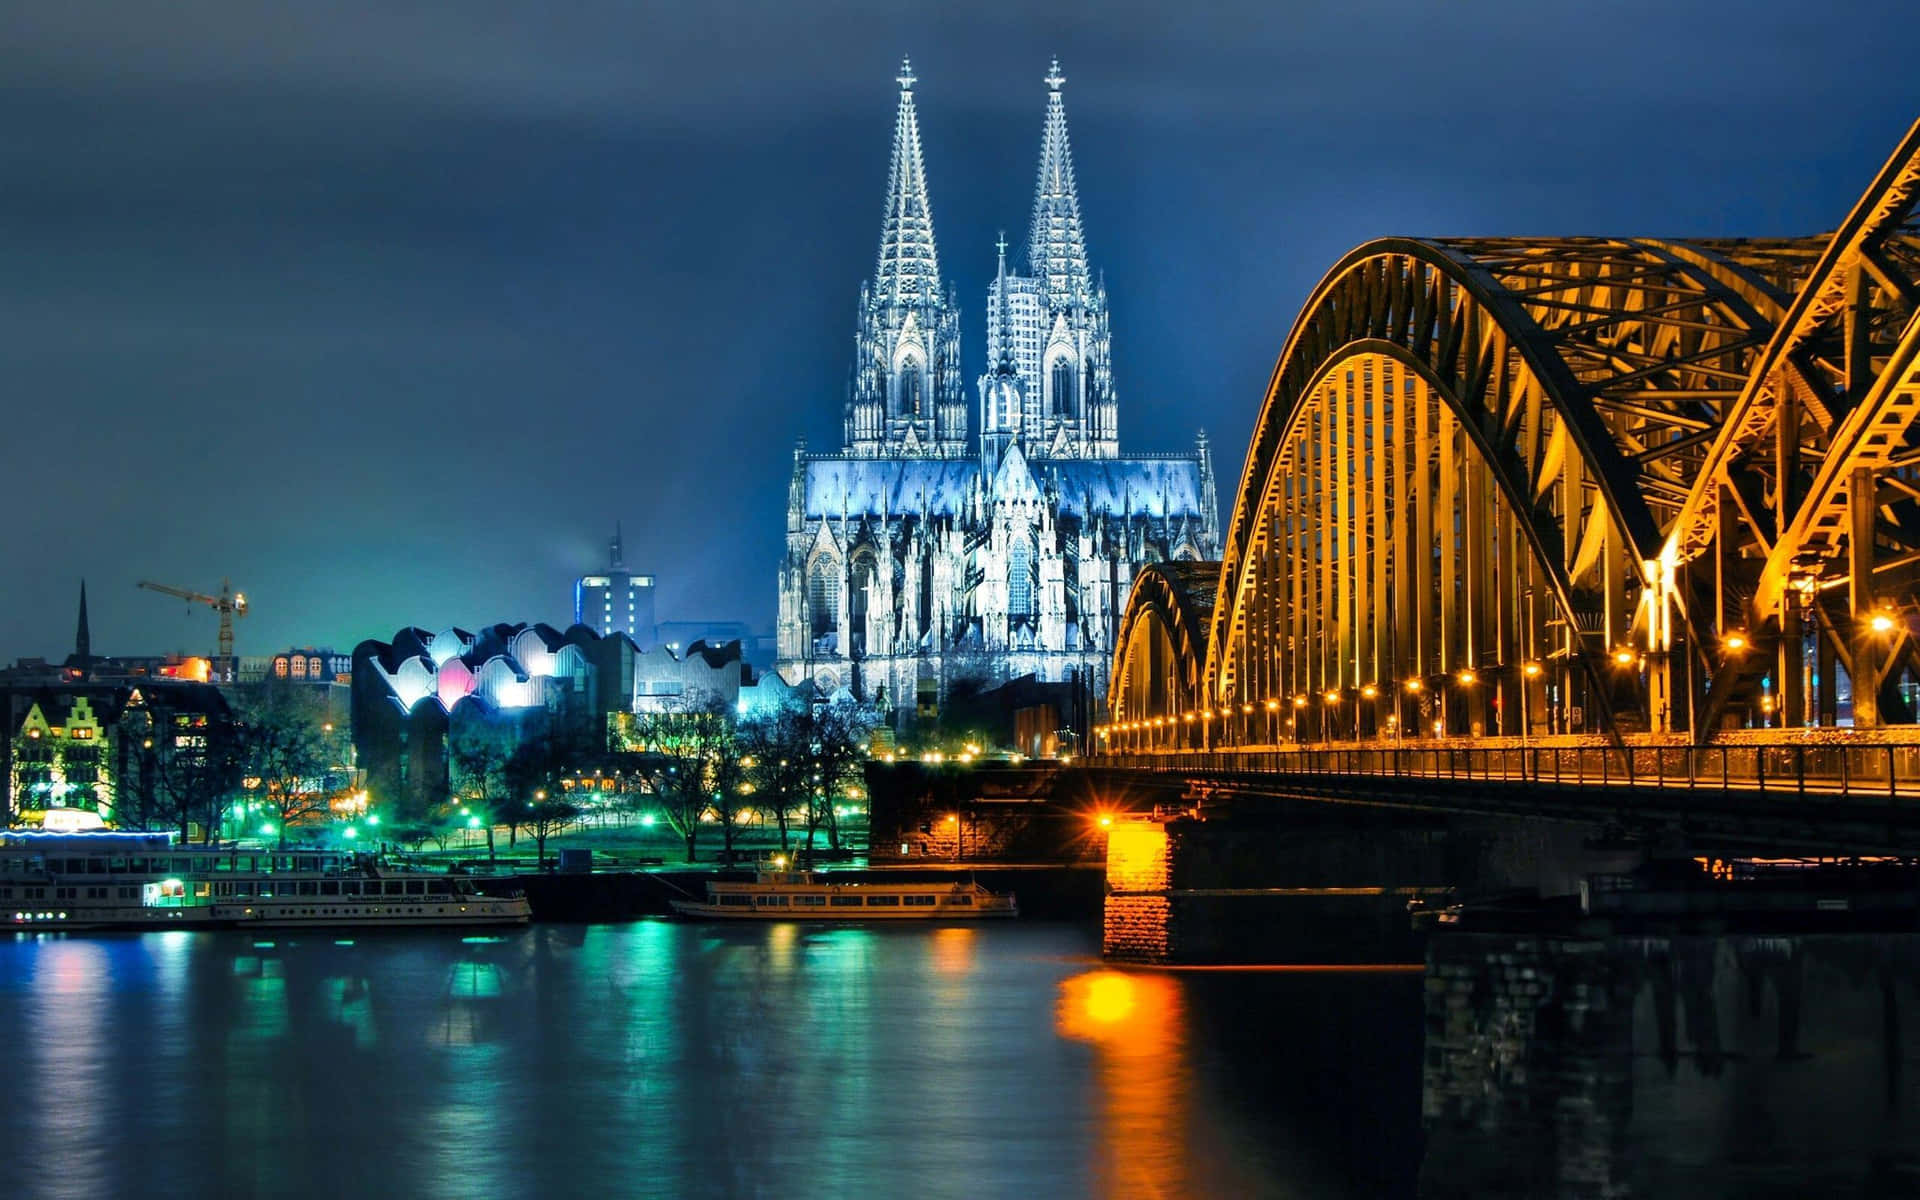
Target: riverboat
pixel 123 880
pixel 779 894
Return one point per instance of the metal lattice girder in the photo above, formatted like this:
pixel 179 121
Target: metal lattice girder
pixel 1807 358
pixel 1481 452
pixel 1162 640
pixel 1584 378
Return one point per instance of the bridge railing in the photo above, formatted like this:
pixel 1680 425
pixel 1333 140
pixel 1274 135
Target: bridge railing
pixel 1856 772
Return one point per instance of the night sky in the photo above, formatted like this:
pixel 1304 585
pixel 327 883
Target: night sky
pixel 388 310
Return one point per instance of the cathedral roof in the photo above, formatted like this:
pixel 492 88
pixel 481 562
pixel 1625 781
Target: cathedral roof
pixel 898 486
pixel 1150 487
pixel 1159 488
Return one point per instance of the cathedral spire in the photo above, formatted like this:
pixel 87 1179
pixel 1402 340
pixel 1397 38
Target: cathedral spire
pixel 1056 245
pixel 909 269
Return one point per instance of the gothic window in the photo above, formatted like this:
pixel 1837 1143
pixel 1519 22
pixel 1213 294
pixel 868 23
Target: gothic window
pixel 1020 580
pixel 858 599
pixel 823 598
pixel 908 404
pixel 1062 388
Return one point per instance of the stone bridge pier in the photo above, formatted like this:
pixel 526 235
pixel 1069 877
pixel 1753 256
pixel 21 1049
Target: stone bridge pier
pixel 1307 883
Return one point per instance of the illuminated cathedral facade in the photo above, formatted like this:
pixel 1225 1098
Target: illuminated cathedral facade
pixel 924 555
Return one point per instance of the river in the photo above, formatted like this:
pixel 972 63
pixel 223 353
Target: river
pixel 665 1059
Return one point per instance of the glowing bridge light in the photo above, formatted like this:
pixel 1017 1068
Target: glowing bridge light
pixel 1881 623
pixel 1531 670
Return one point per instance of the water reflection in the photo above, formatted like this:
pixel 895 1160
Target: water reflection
pixel 681 1060
pixel 1138 1024
pixel 1696 1066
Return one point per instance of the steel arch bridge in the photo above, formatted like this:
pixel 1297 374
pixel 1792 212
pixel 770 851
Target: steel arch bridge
pixel 1557 487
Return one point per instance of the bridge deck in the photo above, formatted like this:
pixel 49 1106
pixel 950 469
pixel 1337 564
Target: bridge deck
pixel 1848 799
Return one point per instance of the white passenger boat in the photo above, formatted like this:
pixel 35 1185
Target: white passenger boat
pixel 148 881
pixel 779 894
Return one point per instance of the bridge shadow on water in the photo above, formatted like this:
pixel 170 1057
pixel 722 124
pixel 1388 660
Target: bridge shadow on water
pixel 1700 1066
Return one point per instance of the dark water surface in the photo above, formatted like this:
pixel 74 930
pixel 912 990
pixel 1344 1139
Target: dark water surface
pixel 661 1059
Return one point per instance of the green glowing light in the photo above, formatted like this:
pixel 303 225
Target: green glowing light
pixel 351 833
pixel 373 819
pixel 647 820
pixel 473 822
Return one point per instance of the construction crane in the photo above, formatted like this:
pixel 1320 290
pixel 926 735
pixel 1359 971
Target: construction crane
pixel 229 604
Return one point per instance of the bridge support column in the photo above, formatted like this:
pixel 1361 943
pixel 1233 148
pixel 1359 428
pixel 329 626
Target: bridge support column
pixel 1863 638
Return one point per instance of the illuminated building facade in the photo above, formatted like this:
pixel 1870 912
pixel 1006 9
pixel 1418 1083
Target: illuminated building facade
pixel 415 692
pixel 617 600
pixel 97 747
pixel 919 555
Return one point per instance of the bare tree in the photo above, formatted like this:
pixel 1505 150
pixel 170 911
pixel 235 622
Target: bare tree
pixel 195 773
pixel 776 758
pixel 545 818
pixel 688 760
pixel 282 750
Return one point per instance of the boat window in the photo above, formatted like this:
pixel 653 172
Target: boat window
pixel 883 902
pixel 118 864
pixel 283 862
pixel 350 888
pixel 845 901
pixel 134 865
pixel 396 888
pixel 309 888
pixel 309 863
pixel 736 901
pixel 96 866
pixel 330 887
pixel 416 887
pixel 960 899
pixel 811 901
pixel 182 866
pixel 922 901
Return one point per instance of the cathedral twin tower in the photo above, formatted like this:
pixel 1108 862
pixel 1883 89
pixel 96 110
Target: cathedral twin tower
pixel 917 557
pixel 1049 382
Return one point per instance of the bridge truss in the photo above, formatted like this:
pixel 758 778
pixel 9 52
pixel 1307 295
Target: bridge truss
pixel 1534 487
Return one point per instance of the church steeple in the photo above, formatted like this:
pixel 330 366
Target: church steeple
pixel 909 269
pixel 1056 244
pixel 905 398
pixel 82 636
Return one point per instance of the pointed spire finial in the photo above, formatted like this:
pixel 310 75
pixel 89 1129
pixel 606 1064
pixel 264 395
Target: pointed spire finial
pixel 906 77
pixel 1056 243
pixel 83 636
pixel 909 267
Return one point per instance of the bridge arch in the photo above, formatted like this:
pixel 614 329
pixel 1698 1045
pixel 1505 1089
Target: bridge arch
pixel 1161 648
pixel 1580 485
pixel 1805 506
pixel 1466 459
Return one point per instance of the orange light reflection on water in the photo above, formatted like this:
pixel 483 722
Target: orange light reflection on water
pixel 1137 1025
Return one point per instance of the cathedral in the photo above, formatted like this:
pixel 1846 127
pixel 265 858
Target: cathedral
pixel 921 558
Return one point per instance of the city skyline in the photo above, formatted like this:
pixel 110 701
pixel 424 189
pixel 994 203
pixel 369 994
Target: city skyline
pixel 388 331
